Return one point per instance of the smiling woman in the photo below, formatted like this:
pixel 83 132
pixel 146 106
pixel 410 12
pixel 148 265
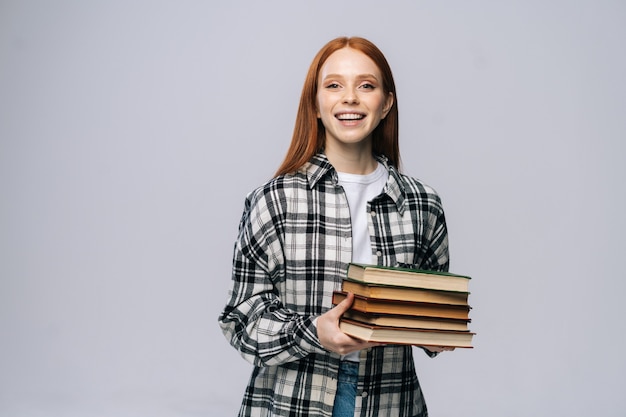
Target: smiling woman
pixel 309 134
pixel 351 103
pixel 337 198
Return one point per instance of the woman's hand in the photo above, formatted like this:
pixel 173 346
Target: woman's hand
pixel 331 337
pixel 438 349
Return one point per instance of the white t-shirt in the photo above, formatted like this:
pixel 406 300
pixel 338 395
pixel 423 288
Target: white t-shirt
pixel 359 190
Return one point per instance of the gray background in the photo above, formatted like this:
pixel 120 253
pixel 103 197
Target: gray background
pixel 130 132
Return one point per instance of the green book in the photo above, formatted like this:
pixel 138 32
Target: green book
pixel 407 277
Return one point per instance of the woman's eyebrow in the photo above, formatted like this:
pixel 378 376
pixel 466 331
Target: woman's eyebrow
pixel 358 77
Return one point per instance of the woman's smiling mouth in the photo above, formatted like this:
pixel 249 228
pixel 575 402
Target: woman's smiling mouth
pixel 350 116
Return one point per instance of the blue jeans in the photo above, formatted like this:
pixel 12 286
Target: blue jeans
pixel 346 389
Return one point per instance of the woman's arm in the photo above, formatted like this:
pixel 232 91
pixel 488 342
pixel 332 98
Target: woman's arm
pixel 255 321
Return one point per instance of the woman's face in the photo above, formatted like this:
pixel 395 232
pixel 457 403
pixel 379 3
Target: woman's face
pixel 350 97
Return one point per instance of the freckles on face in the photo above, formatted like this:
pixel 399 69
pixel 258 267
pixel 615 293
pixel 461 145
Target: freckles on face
pixel 351 100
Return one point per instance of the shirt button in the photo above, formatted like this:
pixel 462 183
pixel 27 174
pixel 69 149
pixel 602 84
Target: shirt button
pixel 373 213
pixel 364 394
pixel 379 253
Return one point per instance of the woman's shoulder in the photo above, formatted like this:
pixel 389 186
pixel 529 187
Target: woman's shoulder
pixel 293 185
pixel 411 184
pixel 417 185
pixel 276 189
pixel 416 188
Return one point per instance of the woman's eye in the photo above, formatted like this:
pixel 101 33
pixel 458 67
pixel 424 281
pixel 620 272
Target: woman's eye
pixel 368 86
pixel 332 85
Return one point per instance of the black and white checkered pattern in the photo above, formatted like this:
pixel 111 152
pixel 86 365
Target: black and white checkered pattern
pixel 292 252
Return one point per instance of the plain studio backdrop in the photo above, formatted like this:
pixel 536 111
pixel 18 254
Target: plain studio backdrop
pixel 131 131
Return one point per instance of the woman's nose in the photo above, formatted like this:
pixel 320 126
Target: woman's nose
pixel 350 96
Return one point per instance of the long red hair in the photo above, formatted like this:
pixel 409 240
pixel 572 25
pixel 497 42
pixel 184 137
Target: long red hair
pixel 309 132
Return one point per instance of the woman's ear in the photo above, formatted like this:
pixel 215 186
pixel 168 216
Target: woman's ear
pixel 388 104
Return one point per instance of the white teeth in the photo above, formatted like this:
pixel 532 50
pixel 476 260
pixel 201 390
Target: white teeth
pixel 350 116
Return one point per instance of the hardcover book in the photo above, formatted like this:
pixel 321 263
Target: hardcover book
pixel 407 277
pixel 370 305
pixel 407 336
pixel 416 322
pixel 394 292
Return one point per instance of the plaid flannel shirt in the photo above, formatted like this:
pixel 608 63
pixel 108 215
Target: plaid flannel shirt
pixel 292 252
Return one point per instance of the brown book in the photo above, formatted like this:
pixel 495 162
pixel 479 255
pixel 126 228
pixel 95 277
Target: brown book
pixel 406 336
pixel 404 293
pixel 375 274
pixel 415 322
pixel 371 305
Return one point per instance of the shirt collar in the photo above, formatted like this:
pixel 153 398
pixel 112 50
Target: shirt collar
pixel 395 186
pixel 319 166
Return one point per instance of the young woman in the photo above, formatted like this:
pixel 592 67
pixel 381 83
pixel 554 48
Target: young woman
pixel 338 197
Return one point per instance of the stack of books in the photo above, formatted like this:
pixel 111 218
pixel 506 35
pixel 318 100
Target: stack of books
pixel 406 306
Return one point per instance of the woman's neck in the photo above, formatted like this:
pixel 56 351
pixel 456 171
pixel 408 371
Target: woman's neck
pixel 352 159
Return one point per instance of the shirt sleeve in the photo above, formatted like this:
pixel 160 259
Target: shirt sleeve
pixel 437 251
pixel 436 256
pixel 255 321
